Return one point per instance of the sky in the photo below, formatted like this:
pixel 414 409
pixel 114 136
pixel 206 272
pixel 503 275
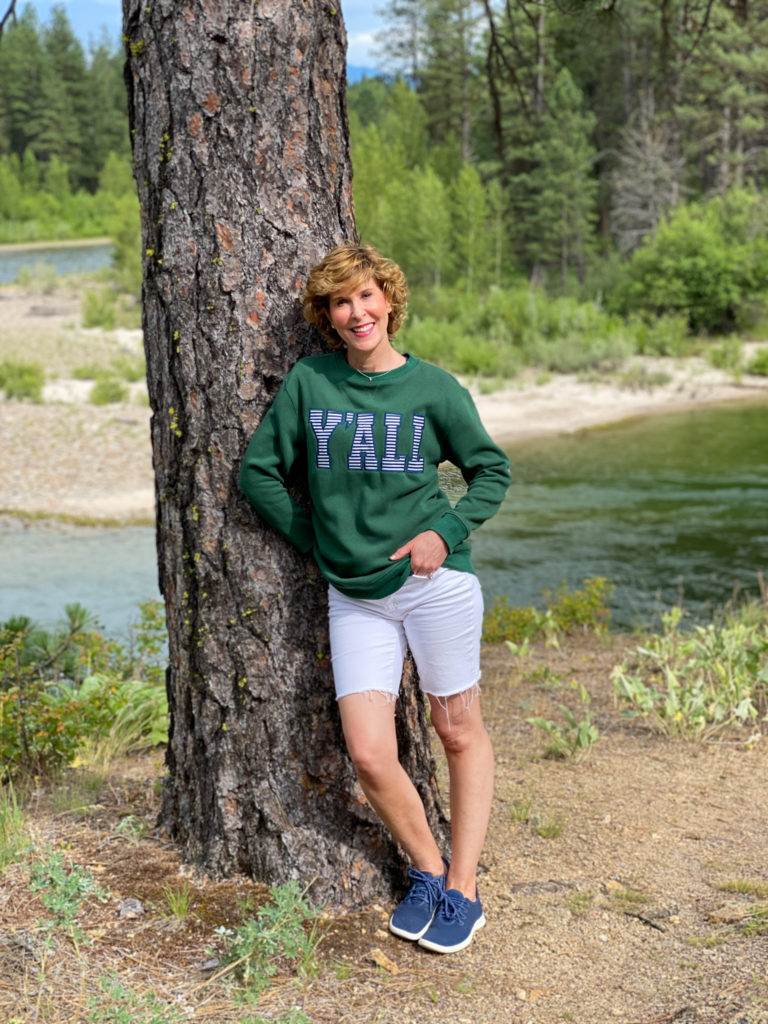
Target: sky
pixel 88 16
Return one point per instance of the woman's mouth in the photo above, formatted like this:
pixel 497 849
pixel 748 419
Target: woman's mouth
pixel 363 330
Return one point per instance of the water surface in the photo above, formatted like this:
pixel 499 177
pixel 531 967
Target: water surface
pixel 670 508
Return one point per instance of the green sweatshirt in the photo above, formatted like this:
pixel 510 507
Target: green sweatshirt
pixel 370 449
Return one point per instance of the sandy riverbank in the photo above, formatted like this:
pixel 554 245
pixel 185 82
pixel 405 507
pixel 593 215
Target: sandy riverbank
pixel 67 458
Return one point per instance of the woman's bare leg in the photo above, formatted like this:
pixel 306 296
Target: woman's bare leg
pixel 368 721
pixel 470 767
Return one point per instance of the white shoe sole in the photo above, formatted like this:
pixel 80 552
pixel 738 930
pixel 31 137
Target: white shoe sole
pixel 436 948
pixel 413 936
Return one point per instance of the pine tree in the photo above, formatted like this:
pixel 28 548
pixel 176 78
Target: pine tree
pixel 67 60
pixel 553 204
pixel 106 130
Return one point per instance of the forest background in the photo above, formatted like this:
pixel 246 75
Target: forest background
pixel 565 184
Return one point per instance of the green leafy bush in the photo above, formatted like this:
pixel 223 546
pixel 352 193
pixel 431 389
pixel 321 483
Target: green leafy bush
pixel 63 890
pixel 728 355
pixel 22 380
pixel 108 391
pixel 696 684
pixel 759 364
pixel 567 611
pixel 99 308
pixel 117 1004
pixel 69 691
pixel 276 937
pixel 708 261
pixel 576 736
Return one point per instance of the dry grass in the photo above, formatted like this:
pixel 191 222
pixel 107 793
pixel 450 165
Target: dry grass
pixel 610 921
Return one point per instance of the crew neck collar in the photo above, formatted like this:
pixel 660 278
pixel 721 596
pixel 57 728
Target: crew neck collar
pixel 374 378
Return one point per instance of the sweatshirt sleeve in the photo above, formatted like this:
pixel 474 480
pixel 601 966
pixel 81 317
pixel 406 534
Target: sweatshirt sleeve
pixel 483 465
pixel 274 447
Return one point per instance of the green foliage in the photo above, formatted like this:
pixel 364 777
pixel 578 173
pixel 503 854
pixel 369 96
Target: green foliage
pixel 583 609
pixel 728 355
pixel 140 720
pixel 575 736
pixel 63 890
pixel 178 899
pixel 13 833
pixel 696 684
pixel 22 380
pixel 759 364
pixel 117 1004
pixel 99 309
pixel 71 690
pixel 568 611
pixel 39 277
pixel 706 261
pixel 108 391
pixel 504 621
pixel 277 937
pixel 130 369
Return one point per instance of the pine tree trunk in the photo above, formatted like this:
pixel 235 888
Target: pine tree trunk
pixel 241 156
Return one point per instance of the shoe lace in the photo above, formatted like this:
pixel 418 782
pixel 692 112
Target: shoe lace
pixel 452 905
pixel 425 888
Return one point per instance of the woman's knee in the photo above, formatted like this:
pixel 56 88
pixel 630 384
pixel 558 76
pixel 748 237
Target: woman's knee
pixel 371 761
pixel 457 721
pixel 369 734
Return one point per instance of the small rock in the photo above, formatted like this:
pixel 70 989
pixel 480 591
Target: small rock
pixel 730 913
pixel 603 937
pixel 210 965
pixel 522 995
pixel 130 908
pixel 613 886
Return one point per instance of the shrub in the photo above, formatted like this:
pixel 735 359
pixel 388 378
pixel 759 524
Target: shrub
pixel 759 364
pixel 696 684
pixel 708 261
pixel 99 309
pixel 567 611
pixel 13 833
pixel 130 369
pixel 582 609
pixel 275 936
pixel 89 372
pixel 576 736
pixel 39 277
pixel 108 391
pixel 70 690
pixel 726 356
pixel 22 380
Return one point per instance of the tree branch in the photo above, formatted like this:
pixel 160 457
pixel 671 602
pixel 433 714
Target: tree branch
pixel 10 13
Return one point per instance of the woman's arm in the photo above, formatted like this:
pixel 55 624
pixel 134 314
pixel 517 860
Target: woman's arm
pixel 482 463
pixel 276 444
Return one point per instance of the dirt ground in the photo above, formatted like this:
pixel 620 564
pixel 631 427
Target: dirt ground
pixel 618 915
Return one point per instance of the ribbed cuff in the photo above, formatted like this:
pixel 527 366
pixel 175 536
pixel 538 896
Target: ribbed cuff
pixel 452 529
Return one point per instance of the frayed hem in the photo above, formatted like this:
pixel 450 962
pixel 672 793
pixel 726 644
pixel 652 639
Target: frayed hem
pixel 386 696
pixel 467 696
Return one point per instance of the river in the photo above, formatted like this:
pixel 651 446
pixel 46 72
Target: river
pixel 669 508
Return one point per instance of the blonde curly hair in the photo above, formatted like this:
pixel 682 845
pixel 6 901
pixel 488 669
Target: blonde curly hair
pixel 353 264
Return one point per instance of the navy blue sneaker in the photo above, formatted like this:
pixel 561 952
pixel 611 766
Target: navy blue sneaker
pixel 455 922
pixel 412 916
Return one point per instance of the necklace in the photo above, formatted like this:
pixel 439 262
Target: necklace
pixel 380 373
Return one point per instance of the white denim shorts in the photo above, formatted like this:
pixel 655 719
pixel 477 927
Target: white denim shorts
pixel 440 619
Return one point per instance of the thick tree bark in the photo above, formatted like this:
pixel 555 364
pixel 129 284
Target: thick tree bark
pixel 239 129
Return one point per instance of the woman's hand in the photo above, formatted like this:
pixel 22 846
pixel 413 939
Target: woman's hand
pixel 428 551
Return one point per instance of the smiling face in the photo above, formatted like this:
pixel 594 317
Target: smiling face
pixel 360 314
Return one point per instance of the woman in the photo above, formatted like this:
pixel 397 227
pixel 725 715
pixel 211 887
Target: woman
pixel 373 425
